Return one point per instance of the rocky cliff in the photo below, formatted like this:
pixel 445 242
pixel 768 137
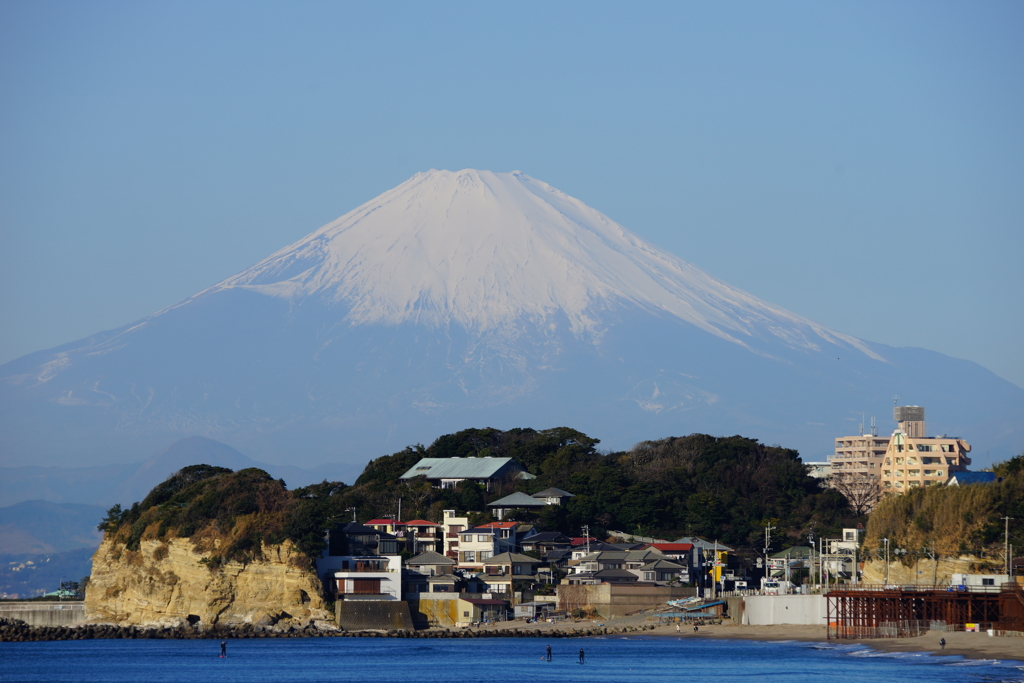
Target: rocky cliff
pixel 923 571
pixel 168 583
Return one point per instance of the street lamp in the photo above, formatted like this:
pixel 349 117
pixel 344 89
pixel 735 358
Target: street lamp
pixel 899 552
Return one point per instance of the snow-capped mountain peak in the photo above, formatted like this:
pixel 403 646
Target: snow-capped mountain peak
pixel 484 249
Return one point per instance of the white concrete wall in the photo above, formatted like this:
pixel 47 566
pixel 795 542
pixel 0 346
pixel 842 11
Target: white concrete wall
pixel 766 610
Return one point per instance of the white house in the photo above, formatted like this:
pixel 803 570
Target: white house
pixel 360 563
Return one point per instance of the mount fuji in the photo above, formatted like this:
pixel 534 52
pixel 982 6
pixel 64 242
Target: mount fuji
pixel 473 298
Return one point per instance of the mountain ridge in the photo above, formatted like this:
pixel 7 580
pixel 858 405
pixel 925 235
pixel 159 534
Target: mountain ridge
pixel 341 349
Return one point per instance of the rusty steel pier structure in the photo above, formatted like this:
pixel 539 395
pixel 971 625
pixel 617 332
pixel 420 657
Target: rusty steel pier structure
pixel 866 611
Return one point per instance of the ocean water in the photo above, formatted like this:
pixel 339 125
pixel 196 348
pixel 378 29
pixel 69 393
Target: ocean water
pixel 508 660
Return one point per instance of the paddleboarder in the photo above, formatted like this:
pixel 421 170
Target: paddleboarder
pixel 549 653
pixel 583 658
pixel 223 648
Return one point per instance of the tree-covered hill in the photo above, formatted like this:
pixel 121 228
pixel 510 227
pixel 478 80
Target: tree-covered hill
pixel 227 515
pixel 716 487
pixel 953 520
pixel 719 488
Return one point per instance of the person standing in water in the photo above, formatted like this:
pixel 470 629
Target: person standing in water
pixel 223 648
pixel 583 658
pixel 549 653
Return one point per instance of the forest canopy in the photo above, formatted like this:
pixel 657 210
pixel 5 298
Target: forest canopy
pixel 721 488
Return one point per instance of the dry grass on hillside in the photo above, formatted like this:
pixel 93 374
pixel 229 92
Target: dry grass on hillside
pixel 950 520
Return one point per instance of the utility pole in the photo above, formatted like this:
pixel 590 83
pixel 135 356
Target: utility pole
pixel 768 529
pixel 930 552
pixel 886 542
pixel 810 541
pixel 714 572
pixel 1006 544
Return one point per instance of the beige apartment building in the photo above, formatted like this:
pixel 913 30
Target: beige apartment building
pixel 914 460
pixel 857 469
pixel 867 466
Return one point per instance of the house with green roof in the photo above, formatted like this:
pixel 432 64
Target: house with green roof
pixel 446 473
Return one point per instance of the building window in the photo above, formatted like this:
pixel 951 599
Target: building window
pixel 485 555
pixel 899 461
pixel 887 473
pixel 468 555
pixel 899 473
pixel 988 582
pixel 465 614
pixel 482 538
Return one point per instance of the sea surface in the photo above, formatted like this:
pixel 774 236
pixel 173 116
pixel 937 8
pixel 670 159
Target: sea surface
pixel 509 660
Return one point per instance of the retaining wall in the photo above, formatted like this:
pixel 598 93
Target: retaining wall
pixel 44 613
pixel 767 610
pixel 386 615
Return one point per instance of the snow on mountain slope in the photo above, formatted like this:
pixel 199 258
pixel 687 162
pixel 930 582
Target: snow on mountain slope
pixel 484 249
pixel 462 299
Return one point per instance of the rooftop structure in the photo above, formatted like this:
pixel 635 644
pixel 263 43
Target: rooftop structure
pixel 517 500
pixel 446 473
pixel 966 478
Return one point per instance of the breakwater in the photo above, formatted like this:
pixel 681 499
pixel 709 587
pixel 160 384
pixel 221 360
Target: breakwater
pixel 12 630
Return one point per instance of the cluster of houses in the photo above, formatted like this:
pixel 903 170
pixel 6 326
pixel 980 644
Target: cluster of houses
pixel 459 573
pixel 486 567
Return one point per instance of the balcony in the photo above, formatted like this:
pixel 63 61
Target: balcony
pixel 367 568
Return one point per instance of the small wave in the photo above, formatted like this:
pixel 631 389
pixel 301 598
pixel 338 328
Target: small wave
pixel 974 662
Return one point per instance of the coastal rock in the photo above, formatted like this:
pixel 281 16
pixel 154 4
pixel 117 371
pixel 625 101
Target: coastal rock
pixel 166 584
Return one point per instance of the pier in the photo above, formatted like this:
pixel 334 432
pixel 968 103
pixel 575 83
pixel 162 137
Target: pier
pixel 855 612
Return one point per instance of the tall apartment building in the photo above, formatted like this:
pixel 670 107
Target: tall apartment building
pixel 857 469
pixel 915 460
pixel 867 466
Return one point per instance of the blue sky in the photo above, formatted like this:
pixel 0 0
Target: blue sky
pixel 861 164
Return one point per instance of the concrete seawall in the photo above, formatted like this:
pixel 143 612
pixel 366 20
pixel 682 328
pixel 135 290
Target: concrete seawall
pixel 44 613
pixel 770 610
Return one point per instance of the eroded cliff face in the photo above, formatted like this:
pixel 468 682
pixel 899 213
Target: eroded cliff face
pixel 165 583
pixel 925 572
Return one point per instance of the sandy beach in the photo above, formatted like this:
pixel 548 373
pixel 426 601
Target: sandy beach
pixel 968 645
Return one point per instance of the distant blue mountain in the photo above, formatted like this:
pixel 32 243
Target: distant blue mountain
pixel 474 299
